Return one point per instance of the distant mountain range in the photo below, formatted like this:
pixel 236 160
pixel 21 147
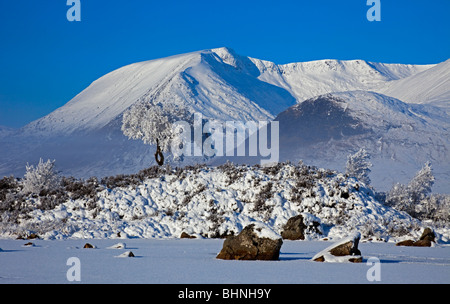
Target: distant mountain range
pixel 326 109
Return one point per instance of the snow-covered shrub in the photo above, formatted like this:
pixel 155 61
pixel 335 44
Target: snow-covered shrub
pixel 81 189
pixel 6 185
pixel 420 186
pixel 42 178
pixel 415 198
pixel 358 166
pixel 11 198
pixel 435 207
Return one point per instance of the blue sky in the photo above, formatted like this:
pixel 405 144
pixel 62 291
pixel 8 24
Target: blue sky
pixel 45 60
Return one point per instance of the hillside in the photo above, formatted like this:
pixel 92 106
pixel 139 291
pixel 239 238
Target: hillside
pixel 399 137
pixel 428 87
pixel 208 202
pixel 305 80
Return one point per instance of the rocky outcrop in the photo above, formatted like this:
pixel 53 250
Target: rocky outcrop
pixel 345 250
pixel 426 239
pixel 254 242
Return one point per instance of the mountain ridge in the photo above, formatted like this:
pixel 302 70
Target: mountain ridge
pixel 84 135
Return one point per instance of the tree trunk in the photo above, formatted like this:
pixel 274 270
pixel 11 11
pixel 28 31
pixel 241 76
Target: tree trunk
pixel 159 157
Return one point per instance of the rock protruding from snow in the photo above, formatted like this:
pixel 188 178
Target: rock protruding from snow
pixel 255 242
pixel 296 226
pixel 126 254
pixel 428 236
pixel 345 250
pixel 118 246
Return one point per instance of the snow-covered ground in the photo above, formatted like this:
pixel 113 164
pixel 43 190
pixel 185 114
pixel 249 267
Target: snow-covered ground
pixel 209 202
pixel 184 261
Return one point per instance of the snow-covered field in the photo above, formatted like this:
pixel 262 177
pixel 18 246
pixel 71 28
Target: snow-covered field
pixel 183 261
pixel 150 215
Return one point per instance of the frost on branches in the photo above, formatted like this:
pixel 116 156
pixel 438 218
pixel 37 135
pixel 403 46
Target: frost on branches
pixel 42 178
pixel 358 166
pixel 154 124
pixel 416 199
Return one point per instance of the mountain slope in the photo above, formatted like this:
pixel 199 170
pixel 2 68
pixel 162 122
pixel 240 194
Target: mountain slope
pixel 428 87
pixel 305 80
pixel 85 137
pixel 201 81
pixel 400 137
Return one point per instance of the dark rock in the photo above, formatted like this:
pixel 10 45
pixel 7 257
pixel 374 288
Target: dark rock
pixel 184 235
pixel 425 239
pixel 88 246
pixel 294 229
pixel 428 234
pixel 405 243
pixel 251 244
pixel 422 243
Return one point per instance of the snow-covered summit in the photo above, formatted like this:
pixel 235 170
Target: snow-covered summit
pixel 308 79
pixel 219 83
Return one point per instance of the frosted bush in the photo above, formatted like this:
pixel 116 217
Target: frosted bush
pixel 358 166
pixel 43 177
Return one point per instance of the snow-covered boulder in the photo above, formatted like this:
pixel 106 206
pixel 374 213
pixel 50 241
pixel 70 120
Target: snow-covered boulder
pixel 118 246
pixel 126 254
pixel 255 242
pixel 346 250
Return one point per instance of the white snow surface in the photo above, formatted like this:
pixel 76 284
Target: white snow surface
pixel 427 87
pixel 181 261
pixel 305 80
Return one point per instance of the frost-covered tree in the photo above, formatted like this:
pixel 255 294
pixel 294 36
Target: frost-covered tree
pixel 153 124
pixel 415 197
pixel 358 166
pixel 43 177
pixel 420 186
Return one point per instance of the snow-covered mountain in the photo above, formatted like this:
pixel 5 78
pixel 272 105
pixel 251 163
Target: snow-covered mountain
pixel 4 131
pixel 400 137
pixel 428 87
pixel 308 79
pixel 84 135
pixel 223 89
pixel 218 83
